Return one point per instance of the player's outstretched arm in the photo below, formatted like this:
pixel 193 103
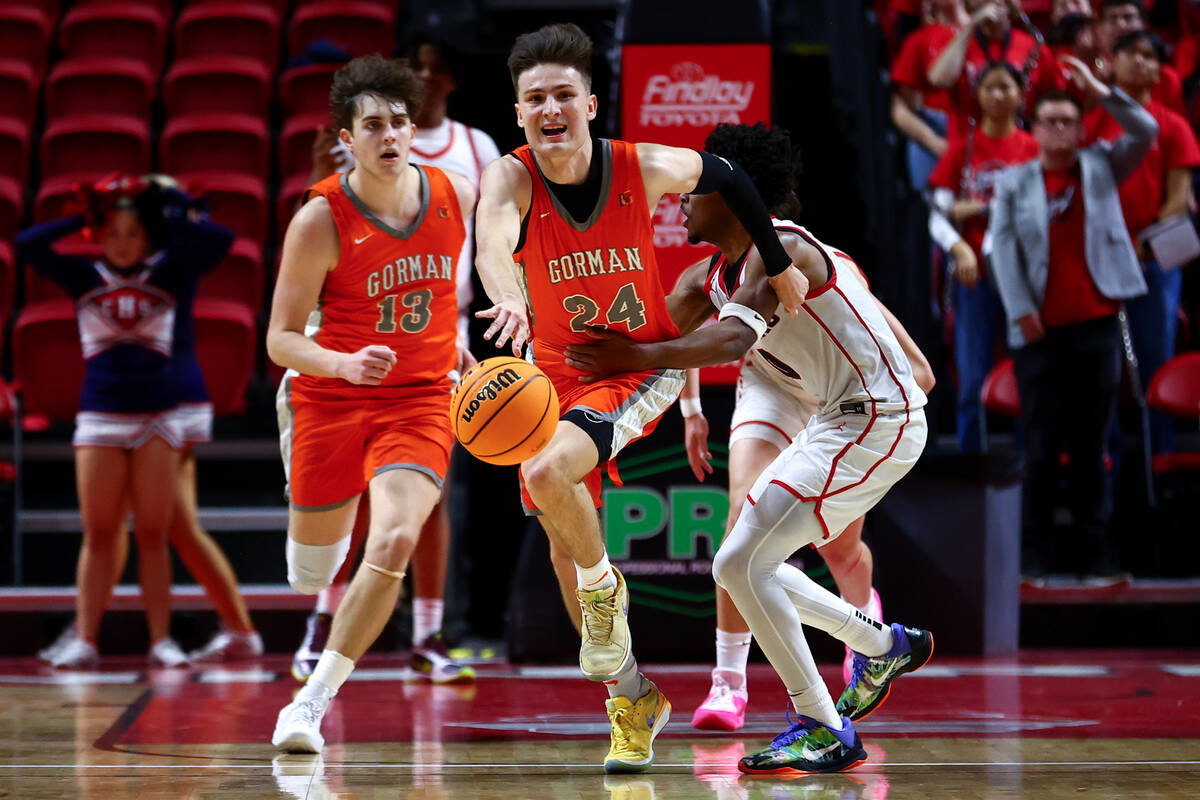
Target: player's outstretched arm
pixel 310 251
pixel 676 169
pixel 504 196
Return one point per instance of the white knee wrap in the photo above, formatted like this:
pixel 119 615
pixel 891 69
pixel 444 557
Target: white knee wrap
pixel 311 567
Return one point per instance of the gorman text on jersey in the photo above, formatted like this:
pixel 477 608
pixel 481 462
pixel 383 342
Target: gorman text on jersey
pixel 585 263
pixel 410 268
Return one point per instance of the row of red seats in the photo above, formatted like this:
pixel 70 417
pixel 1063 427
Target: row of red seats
pixel 138 30
pixel 48 364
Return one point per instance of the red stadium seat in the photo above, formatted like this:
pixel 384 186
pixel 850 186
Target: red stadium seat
pixel 216 142
pixel 296 141
pixel 305 89
pixel 226 346
pixel 39 288
pixel 124 29
pixel 47 359
pixel 25 34
pixel 359 28
pixel 99 85
pixel 239 277
pixel 285 205
pixel 228 29
pixel 999 393
pixel 12 204
pixel 77 144
pixel 236 201
pixel 14 149
pixel 165 6
pixel 1175 390
pixel 18 89
pixel 217 83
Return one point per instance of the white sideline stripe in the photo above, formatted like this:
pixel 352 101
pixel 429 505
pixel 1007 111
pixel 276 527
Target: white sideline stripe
pixel 592 765
pixel 74 678
pixel 236 676
pixel 1183 670
pixel 402 674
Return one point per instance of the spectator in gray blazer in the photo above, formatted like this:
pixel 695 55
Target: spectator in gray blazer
pixel 1063 263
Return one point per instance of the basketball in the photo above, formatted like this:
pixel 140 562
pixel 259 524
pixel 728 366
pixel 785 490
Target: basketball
pixel 504 410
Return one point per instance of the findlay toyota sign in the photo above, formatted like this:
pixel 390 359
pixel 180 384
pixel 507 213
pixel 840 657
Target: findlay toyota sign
pixel 675 94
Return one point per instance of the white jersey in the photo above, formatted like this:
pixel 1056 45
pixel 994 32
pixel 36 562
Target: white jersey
pixel 839 348
pixel 458 148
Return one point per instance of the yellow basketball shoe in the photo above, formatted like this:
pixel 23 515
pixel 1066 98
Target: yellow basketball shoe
pixel 604 650
pixel 634 726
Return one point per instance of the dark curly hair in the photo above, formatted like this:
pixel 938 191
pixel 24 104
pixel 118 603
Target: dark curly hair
pixel 390 79
pixel 767 156
pixel 564 43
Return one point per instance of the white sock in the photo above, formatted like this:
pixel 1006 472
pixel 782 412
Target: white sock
pixel 816 702
pixel 598 576
pixel 873 608
pixel 329 598
pixel 331 672
pixel 427 617
pixel 733 650
pixel 628 683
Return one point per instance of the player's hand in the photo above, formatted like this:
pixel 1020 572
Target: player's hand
pixel 509 321
pixel 1031 327
pixel 367 367
pixel 466 359
pixel 695 441
pixel 966 265
pixel 607 354
pixel 790 287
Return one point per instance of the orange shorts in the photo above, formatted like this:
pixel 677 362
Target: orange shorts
pixel 614 412
pixel 332 448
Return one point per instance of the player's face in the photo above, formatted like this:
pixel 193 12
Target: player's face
pixel 554 108
pixel 432 71
pixel 701 213
pixel 1137 67
pixel 999 95
pixel 123 239
pixel 382 135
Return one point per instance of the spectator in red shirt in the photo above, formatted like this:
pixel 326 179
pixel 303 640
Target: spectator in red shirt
pixel 1075 35
pixel 1063 8
pixel 962 185
pixel 1158 189
pixel 919 109
pixel 1118 17
pixel 1063 264
pixel 988 37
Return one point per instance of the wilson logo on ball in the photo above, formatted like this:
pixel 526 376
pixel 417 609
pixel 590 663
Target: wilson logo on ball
pixel 504 410
pixel 490 392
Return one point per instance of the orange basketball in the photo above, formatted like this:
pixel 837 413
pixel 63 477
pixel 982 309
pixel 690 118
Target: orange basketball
pixel 504 410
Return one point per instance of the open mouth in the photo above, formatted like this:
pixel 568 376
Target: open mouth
pixel 390 156
pixel 553 131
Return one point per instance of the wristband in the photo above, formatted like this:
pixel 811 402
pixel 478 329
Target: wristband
pixel 746 315
pixel 689 406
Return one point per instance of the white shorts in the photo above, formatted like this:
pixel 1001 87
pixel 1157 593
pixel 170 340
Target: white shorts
pixel 127 431
pixel 193 422
pixel 840 469
pixel 765 410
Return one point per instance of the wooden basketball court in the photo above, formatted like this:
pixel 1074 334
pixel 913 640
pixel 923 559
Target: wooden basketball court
pixel 1046 725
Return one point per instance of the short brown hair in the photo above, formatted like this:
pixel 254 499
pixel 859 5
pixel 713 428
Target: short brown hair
pixel 564 43
pixel 388 78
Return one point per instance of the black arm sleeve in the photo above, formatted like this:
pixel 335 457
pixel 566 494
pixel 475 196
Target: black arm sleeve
pixel 34 246
pixel 735 186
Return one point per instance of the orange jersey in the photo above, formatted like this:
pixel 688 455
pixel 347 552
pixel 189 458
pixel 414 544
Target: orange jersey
pixel 392 287
pixel 601 272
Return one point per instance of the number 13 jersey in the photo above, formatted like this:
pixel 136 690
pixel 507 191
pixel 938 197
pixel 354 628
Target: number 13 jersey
pixel 393 287
pixel 599 271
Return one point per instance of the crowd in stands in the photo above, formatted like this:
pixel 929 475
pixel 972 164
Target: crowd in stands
pixel 1055 144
